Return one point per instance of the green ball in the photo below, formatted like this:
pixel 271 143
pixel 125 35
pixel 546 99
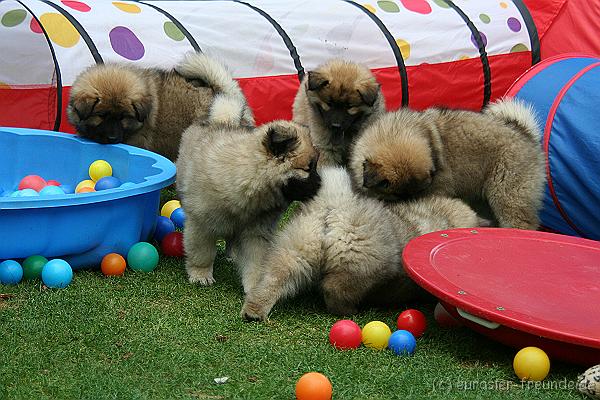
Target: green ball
pixel 32 267
pixel 142 256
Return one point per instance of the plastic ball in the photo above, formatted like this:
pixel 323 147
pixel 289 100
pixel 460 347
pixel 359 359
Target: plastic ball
pixel 413 321
pixel 68 189
pixel 313 386
pixel 169 207
pixel 345 334
pixel 11 272
pixel 108 182
pixel 531 364
pixel 16 193
pixel 34 182
pixel 32 267
pixel 28 193
pixel 86 183
pixel 57 274
pixel 172 244
pixel 52 182
pixel 99 169
pixel 402 343
pixel 51 191
pixel 113 264
pixel 178 217
pixel 164 226
pixel 127 185
pixel 86 190
pixel 375 335
pixel 142 256
pixel 444 318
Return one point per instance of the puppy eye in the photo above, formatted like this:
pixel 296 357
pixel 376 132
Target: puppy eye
pixel 384 184
pixel 353 111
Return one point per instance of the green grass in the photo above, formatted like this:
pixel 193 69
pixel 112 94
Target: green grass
pixel 153 335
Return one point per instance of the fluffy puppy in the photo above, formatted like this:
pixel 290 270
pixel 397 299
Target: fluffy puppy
pixel 492 159
pixel 336 101
pixel 235 181
pixel 349 246
pixel 147 108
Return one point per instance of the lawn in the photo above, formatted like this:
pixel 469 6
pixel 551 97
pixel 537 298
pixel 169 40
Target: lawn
pixel 153 335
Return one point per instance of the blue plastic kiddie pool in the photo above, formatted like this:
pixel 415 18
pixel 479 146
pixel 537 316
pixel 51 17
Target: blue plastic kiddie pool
pixel 79 228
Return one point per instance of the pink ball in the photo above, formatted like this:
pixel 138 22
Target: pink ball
pixel 345 334
pixel 34 182
pixel 52 182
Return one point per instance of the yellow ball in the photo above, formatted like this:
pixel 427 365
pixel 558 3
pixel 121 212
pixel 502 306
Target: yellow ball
pixel 83 184
pixel 169 207
pixel 99 169
pixel 376 334
pixel 531 364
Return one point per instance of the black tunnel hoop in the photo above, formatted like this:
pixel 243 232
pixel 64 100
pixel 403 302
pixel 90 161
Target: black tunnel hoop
pixel 178 24
pixel 395 49
pixel 86 38
pixel 487 74
pixel 59 86
pixel 286 39
pixel 531 29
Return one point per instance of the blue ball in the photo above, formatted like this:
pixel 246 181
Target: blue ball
pixel 16 193
pixel 108 182
pixel 57 273
pixel 127 185
pixel 164 226
pixel 178 217
pixel 51 191
pixel 402 343
pixel 11 272
pixel 68 189
pixel 28 193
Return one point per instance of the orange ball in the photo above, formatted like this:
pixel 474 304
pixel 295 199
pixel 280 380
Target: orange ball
pixel 86 189
pixel 313 386
pixel 113 264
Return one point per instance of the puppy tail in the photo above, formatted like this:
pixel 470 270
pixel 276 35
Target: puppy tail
pixel 517 114
pixel 229 105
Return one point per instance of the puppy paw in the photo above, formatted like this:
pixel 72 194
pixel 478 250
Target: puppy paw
pixel 251 312
pixel 201 277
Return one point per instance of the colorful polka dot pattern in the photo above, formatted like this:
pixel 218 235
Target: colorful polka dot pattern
pixel 13 18
pixel 370 8
pixel 404 48
pixel 173 31
pixel 77 5
pixel 35 26
pixel 485 18
pixel 418 6
pixel 59 29
pixel 126 44
pixel 128 8
pixel 518 48
pixel 388 6
pixel 441 3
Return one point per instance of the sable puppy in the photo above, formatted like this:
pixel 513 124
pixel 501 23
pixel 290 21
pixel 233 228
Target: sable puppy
pixel 493 158
pixel 336 101
pixel 350 247
pixel 148 108
pixel 235 181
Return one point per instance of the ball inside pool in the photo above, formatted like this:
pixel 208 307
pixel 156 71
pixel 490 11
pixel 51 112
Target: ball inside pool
pixel 33 266
pixel 142 256
pixel 345 334
pixel 402 343
pixel 83 184
pixel 413 321
pixel 68 189
pixel 11 272
pixel 108 182
pixel 113 264
pixel 34 182
pixel 169 207
pixel 178 217
pixel 172 244
pixel 375 335
pixel 52 182
pixel 57 274
pixel 531 364
pixel 51 191
pixel 313 386
pixel 28 193
pixel 99 169
pixel 164 226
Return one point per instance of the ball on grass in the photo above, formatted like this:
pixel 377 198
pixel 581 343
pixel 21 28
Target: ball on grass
pixel 32 267
pixel 313 386
pixel 164 226
pixel 142 256
pixel 169 207
pixel 402 343
pixel 172 244
pixel 345 334
pixel 531 364
pixel 57 274
pixel 375 335
pixel 11 272
pixel 113 264
pixel 99 169
pixel 413 321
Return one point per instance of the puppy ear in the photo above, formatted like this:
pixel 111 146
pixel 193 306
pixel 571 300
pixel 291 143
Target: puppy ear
pixel 83 107
pixel 279 143
pixel 316 81
pixel 371 176
pixel 369 94
pixel 142 108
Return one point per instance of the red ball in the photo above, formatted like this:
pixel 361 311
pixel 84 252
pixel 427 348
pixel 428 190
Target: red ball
pixel 413 321
pixel 444 318
pixel 34 182
pixel 345 334
pixel 172 244
pixel 52 182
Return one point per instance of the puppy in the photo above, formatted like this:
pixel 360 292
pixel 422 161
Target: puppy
pixel 493 158
pixel 147 108
pixel 235 181
pixel 336 101
pixel 349 246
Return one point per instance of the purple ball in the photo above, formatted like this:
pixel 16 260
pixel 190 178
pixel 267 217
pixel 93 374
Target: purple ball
pixel 108 182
